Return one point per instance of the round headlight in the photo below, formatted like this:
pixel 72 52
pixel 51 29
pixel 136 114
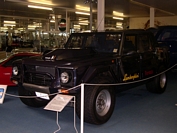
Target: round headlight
pixel 64 77
pixel 15 70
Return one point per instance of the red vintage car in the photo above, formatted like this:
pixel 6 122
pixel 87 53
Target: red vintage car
pixel 6 66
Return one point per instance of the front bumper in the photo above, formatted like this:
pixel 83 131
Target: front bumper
pixel 37 88
pixel 49 90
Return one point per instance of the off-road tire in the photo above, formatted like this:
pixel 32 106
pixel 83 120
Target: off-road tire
pixel 32 102
pixel 99 102
pixel 159 83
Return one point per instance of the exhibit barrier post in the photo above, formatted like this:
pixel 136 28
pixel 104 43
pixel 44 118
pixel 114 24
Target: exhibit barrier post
pixel 82 109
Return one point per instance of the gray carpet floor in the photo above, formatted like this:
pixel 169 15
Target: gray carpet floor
pixel 136 111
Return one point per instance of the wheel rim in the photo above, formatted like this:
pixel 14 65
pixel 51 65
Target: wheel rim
pixel 103 102
pixel 162 80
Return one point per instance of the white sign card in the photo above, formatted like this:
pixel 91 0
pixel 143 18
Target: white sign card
pixel 2 93
pixel 42 95
pixel 58 102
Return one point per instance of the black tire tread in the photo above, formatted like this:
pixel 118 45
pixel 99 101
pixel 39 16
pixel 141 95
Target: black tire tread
pixel 89 113
pixel 154 85
pixel 32 102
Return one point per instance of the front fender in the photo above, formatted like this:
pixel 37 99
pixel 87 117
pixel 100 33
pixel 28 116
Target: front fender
pixel 92 72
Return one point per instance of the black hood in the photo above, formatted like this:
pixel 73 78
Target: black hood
pixel 60 54
pixel 71 58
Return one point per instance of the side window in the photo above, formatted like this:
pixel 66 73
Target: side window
pixel 152 43
pixel 175 34
pixel 113 41
pixel 76 42
pixel 174 37
pixel 98 41
pixel 129 45
pixel 165 35
pixel 88 41
pixel 104 42
pixel 144 43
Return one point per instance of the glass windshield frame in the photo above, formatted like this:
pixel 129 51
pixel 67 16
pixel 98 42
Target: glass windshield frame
pixel 107 42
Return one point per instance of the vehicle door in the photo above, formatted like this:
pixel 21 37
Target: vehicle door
pixel 130 60
pixel 5 71
pixel 5 75
pixel 146 49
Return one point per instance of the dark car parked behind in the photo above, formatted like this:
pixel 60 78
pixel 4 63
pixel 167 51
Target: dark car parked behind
pixel 167 37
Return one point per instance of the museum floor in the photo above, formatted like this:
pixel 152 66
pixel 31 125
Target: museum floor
pixel 136 111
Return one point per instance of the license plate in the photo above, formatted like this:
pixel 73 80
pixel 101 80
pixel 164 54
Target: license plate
pixel 42 95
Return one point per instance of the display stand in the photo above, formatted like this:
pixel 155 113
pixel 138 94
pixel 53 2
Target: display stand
pixel 58 103
pixel 82 108
pixel 2 92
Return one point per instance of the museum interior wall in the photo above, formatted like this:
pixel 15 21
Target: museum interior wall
pixel 143 22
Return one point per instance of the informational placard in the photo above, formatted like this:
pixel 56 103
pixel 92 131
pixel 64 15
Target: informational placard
pixel 2 93
pixel 42 95
pixel 58 103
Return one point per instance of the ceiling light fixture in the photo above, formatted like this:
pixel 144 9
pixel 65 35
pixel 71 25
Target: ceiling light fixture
pixel 83 13
pixel 37 24
pixel 52 21
pixel 31 26
pixel 43 2
pixel 34 26
pixel 9 22
pixel 118 18
pixel 77 26
pixel 84 8
pixel 115 13
pixel 3 28
pixel 83 23
pixel 119 27
pixel 20 28
pixel 39 7
pixel 81 18
pixel 118 24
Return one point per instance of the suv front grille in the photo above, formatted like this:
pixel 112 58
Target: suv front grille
pixel 38 79
pixel 39 75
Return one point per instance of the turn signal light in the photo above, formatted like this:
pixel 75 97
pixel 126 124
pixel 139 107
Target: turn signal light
pixel 15 82
pixel 64 91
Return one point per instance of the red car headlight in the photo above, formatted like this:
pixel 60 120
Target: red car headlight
pixel 15 70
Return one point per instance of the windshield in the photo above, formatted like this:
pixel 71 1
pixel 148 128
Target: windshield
pixel 101 42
